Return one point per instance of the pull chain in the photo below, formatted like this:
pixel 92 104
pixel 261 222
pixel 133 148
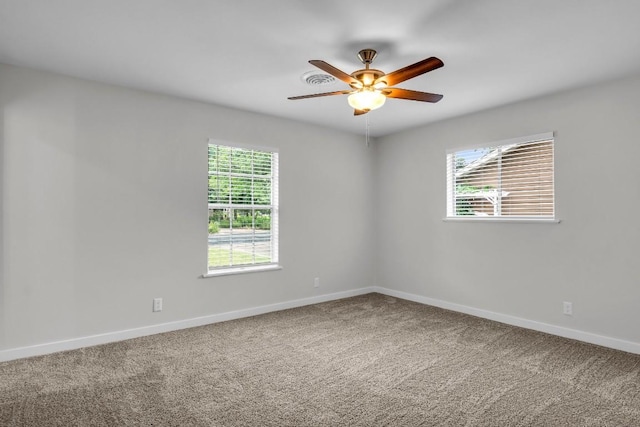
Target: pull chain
pixel 366 134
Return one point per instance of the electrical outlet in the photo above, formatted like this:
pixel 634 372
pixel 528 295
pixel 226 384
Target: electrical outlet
pixel 316 282
pixel 567 308
pixel 157 304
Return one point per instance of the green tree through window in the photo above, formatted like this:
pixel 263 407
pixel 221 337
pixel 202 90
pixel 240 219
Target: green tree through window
pixel 242 198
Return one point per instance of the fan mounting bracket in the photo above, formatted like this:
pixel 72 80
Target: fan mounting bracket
pixel 367 56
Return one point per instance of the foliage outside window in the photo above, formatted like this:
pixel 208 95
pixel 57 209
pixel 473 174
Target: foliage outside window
pixel 512 178
pixel 243 207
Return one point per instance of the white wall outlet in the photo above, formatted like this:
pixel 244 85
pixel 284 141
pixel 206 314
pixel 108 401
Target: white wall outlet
pixel 316 282
pixel 567 308
pixel 157 304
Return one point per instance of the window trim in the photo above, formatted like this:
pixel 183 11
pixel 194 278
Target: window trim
pixel 521 220
pixel 241 269
pixel 450 189
pixel 275 206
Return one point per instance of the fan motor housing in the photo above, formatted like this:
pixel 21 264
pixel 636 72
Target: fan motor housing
pixel 367 76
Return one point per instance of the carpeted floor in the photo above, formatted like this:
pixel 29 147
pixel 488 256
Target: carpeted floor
pixel 370 360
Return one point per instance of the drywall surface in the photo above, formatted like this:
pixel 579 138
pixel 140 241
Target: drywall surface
pixel 525 270
pixel 104 208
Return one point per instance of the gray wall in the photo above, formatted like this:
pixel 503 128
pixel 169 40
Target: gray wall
pixel 103 193
pixel 524 270
pixel 104 207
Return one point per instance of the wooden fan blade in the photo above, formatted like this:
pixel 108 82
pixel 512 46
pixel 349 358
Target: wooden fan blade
pixel 359 112
pixel 410 71
pixel 414 95
pixel 339 74
pixel 315 95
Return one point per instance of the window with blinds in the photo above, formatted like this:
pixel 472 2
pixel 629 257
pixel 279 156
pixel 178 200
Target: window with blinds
pixel 508 179
pixel 243 207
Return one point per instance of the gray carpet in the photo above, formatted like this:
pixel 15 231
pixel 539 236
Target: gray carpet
pixel 371 360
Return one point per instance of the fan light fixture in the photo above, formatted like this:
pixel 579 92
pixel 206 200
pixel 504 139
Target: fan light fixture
pixel 370 88
pixel 366 99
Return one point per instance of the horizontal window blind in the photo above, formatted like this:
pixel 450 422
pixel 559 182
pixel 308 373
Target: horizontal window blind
pixel 515 179
pixel 243 207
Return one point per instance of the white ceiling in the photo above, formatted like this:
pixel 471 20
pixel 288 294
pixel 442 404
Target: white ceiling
pixel 251 54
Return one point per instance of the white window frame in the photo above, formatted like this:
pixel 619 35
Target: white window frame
pixel 495 196
pixel 274 206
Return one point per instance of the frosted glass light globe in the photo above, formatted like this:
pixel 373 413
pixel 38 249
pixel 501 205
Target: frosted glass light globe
pixel 366 99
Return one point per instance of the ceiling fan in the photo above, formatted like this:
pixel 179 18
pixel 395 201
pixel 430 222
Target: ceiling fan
pixel 370 88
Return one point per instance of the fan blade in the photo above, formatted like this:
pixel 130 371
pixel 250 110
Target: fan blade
pixel 339 74
pixel 360 112
pixel 410 71
pixel 414 95
pixel 315 95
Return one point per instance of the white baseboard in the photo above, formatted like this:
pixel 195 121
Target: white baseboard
pixel 615 343
pixel 75 343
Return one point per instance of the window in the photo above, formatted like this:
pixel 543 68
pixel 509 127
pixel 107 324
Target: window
pixel 507 179
pixel 243 209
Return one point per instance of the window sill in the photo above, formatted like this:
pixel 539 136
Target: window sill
pixel 241 270
pixel 526 220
